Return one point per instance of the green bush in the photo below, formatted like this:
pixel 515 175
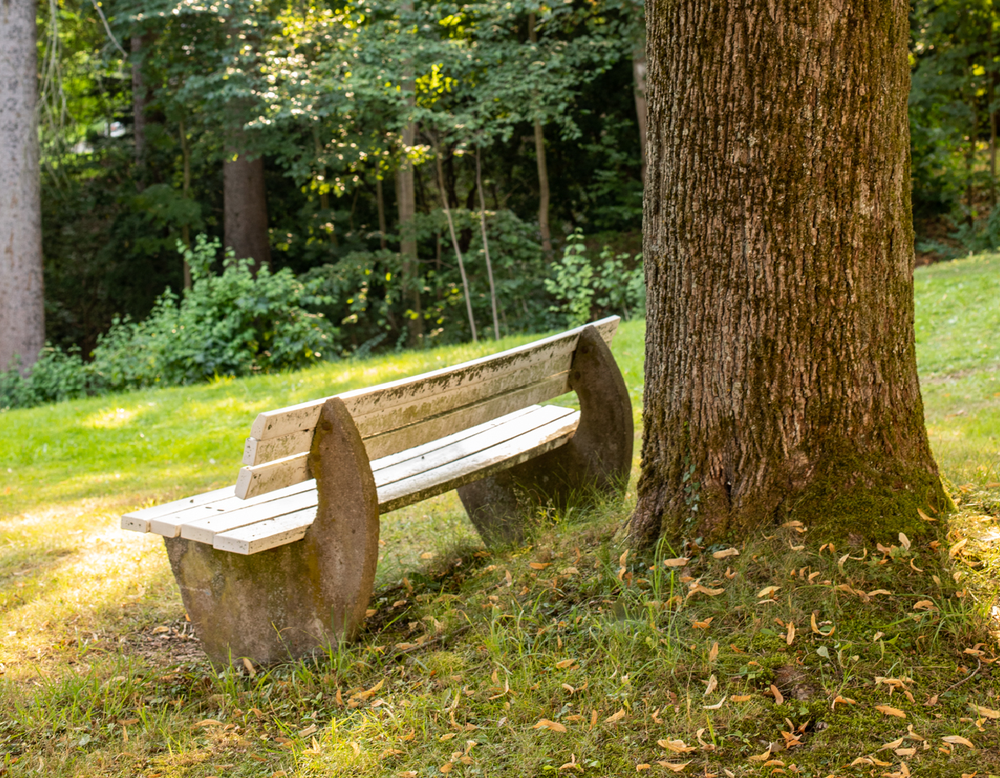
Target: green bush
pixel 588 290
pixel 230 324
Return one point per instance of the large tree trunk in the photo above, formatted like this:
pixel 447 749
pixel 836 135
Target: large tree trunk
pixel 245 202
pixel 22 312
pixel 780 368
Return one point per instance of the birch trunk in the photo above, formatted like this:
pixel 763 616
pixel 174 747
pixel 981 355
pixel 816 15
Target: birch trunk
pixel 22 312
pixel 780 366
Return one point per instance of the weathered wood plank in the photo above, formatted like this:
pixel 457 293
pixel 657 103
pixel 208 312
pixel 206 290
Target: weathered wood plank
pixel 259 537
pixel 253 481
pixel 205 528
pixel 479 465
pixel 138 521
pixel 169 524
pixel 360 402
pixel 458 470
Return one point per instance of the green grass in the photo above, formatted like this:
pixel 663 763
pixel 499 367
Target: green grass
pixel 470 652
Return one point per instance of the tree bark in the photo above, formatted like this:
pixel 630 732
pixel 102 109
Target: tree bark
pixel 543 168
pixel 780 365
pixel 245 201
pixel 22 310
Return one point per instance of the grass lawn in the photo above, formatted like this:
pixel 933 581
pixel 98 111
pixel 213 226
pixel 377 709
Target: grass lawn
pixel 570 655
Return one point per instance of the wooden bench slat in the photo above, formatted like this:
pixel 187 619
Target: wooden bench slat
pixel 390 417
pixel 169 525
pixel 204 529
pixel 138 521
pixel 253 481
pixel 360 402
pixel 266 534
pixel 460 449
pixel 479 465
pixel 270 533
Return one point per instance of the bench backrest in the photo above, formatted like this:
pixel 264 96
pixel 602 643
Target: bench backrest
pixel 399 415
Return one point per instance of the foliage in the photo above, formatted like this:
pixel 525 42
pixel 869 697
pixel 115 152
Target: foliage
pixel 589 290
pixel 229 324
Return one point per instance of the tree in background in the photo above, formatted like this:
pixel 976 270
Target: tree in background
pixel 22 312
pixel 781 377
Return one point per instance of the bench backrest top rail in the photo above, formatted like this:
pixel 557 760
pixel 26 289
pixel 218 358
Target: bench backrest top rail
pixel 396 416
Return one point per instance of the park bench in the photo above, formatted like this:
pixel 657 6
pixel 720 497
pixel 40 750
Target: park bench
pixel 284 564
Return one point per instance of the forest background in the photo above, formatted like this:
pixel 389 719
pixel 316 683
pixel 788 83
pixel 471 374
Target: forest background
pixel 398 174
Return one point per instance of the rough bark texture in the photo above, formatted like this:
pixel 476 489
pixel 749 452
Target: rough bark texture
pixel 245 202
pixel 22 313
pixel 780 366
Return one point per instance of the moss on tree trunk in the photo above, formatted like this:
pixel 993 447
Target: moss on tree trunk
pixel 781 375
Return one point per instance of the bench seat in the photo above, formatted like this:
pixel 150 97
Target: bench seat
pixel 227 523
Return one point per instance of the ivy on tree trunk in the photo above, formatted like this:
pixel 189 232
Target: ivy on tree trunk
pixel 781 378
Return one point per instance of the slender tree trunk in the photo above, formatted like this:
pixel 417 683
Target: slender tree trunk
pixel 992 80
pixel 543 168
pixel 486 245
pixel 138 101
pixel 186 191
pixel 458 251
pixel 639 90
pixel 380 202
pixel 780 364
pixel 22 310
pixel 245 205
pixel 406 201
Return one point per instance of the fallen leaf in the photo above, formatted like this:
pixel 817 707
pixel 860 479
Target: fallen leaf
pixel 538 565
pixel 554 726
pixel 249 667
pixel 677 746
pixel 958 740
pixel 697 588
pixel 790 635
pixel 640 767
pixel 208 723
pixel 890 711
pixel 726 553
pixel 924 516
pixel 717 705
pixel 674 767
pixel 308 730
pixel 842 701
pixel 761 757
pixel 957 548
pixel 565 663
pixel 778 696
pixel 615 717
pixel 894 744
pixel 741 697
pixel 713 652
pixel 447 767
pixel 904 541
pixel 767 591
pixel 703 624
pixel 986 713
pixel 925 605
pixel 676 561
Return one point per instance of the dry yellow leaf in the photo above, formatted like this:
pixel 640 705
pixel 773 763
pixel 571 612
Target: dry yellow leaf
pixel 449 736
pixel 446 768
pixel 569 571
pixel 703 624
pixel 894 744
pixel 679 561
pixel 697 588
pixel 878 591
pixel 713 652
pixel 615 717
pixel 249 667
pixel 815 627
pixel 565 663
pixel 712 683
pixel 842 701
pixel 407 774
pixel 208 723
pixel 905 751
pixel 726 553
pixel 308 730
pixel 673 767
pixel 427 555
pixel 538 565
pixel 890 711
pixel 924 516
pixel 957 548
pixel 640 767
pixel 569 688
pixel 677 746
pixel 925 605
pixel 717 705
pixel 572 764
pixel 904 541
pixel 761 757
pixel 741 697
pixel 778 696
pixel 767 591
pixel 790 634
pixel 986 713
pixel 958 740
pixel 554 726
